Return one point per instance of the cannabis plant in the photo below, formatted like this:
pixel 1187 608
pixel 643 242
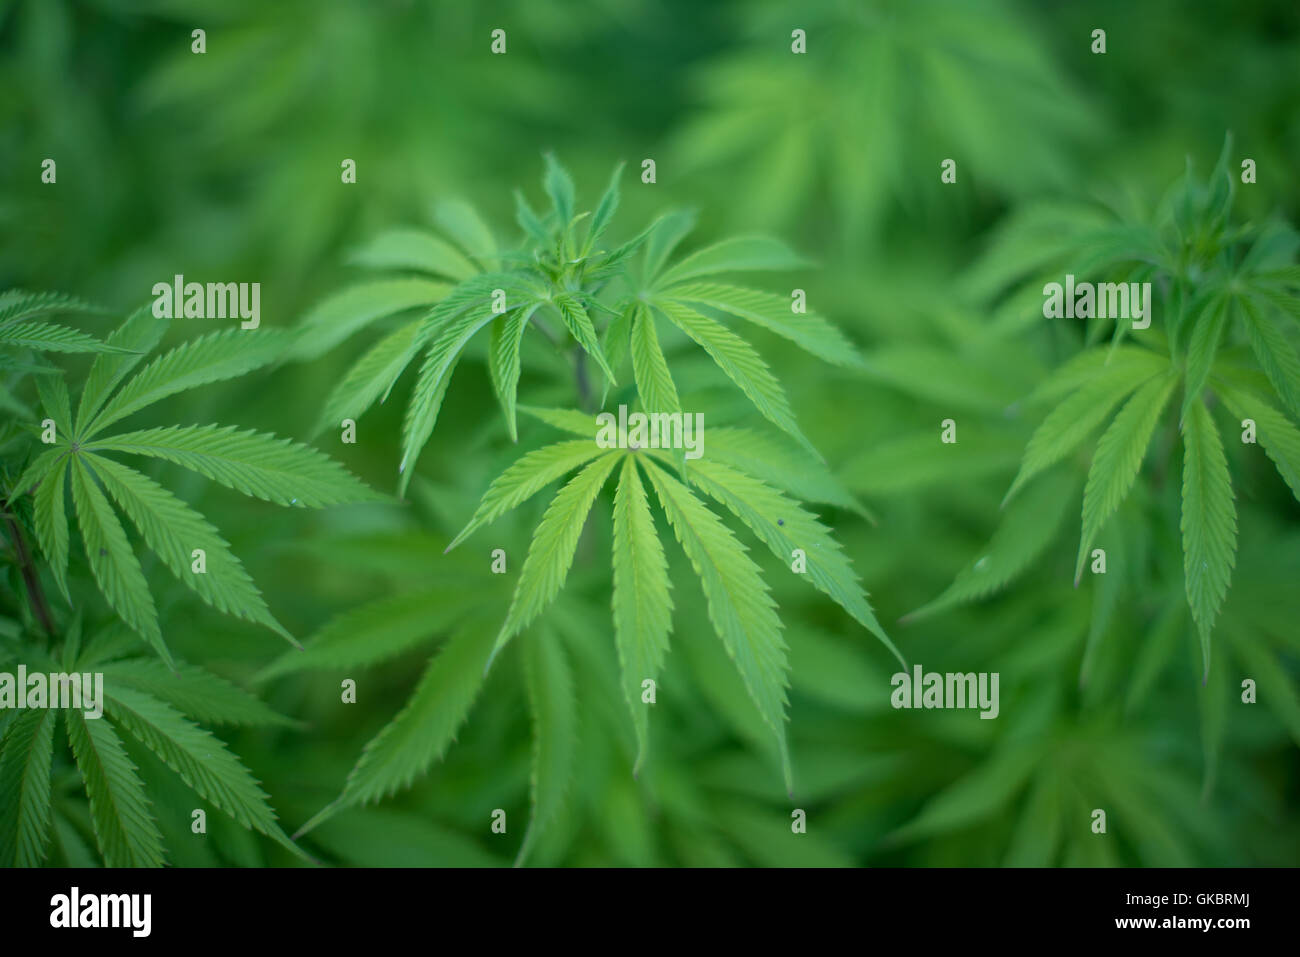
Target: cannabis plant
pixel 53 450
pixel 607 305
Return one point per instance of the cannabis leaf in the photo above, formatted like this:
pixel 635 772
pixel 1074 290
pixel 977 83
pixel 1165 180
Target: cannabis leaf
pixel 254 463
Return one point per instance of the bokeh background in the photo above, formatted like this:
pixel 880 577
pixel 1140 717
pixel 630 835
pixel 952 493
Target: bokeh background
pixel 225 166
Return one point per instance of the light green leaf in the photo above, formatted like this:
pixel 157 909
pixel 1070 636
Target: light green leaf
pixel 49 337
pixel 503 362
pixel 604 211
pixel 196 693
pixel 654 382
pixel 350 310
pixel 526 477
pixel 50 519
pixel 406 248
pixel 198 756
pixel 371 377
pixel 18 304
pixel 807 330
pixel 550 554
pixel 741 364
pixel 210 358
pixel 1277 357
pixel 740 606
pixel 642 604
pixel 551 700
pixel 1280 439
pixel 140 333
pixel 784 526
pixel 462 223
pixel 579 324
pixel 1209 522
pixel 174 530
pixel 1204 344
pixel 254 463
pixel 733 255
pixel 559 187
pixel 1119 457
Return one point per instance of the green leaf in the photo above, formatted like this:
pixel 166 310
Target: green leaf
pixel 1074 419
pixel 662 238
pixel 50 520
pixel 199 694
pixel 1277 357
pixel 605 210
pixel 784 526
pixel 1203 346
pixel 49 337
pixel 559 187
pixel 526 477
pixel 579 324
pixel 459 220
pixel 406 248
pixel 1280 439
pixel 112 562
pixel 733 255
pixel 424 728
pixel 1209 522
pixel 350 310
pixel 1028 526
pixel 550 554
pixel 781 464
pixel 210 358
pixel 1119 457
pixel 641 601
pixel 174 530
pixel 124 826
pixel 140 333
pixel 371 377
pixel 566 420
pixel 503 362
pixel 654 382
pixel 254 463
pixel 740 606
pixel 198 756
pixel 374 632
pixel 808 330
pixel 17 304
pixel 551 701
pixel 741 364
pixel 25 763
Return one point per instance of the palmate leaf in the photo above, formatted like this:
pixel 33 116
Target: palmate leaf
pixel 49 337
pixel 740 606
pixel 504 364
pixel 112 562
pixel 741 253
pixel 551 702
pixel 1209 522
pixel 254 463
pixel 26 757
pixel 1075 418
pixel 210 358
pixel 371 378
pixel 197 756
pixel 347 312
pixel 375 632
pixel 1119 457
pixel 196 693
pixel 140 333
pixel 642 604
pixel 1279 437
pixel 124 826
pixel 783 526
pixel 173 531
pixel 424 728
pixel 527 476
pixel 741 364
pixel 415 249
pixel 808 330
pixel 550 554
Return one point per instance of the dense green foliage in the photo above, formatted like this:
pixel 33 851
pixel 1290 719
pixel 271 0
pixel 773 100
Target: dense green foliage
pixel 470 334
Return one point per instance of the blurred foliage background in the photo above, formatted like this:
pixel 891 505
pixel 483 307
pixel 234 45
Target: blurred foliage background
pixel 225 166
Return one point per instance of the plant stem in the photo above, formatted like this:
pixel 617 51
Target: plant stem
pixel 35 593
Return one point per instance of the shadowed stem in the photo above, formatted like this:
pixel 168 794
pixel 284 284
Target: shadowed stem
pixel 35 593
